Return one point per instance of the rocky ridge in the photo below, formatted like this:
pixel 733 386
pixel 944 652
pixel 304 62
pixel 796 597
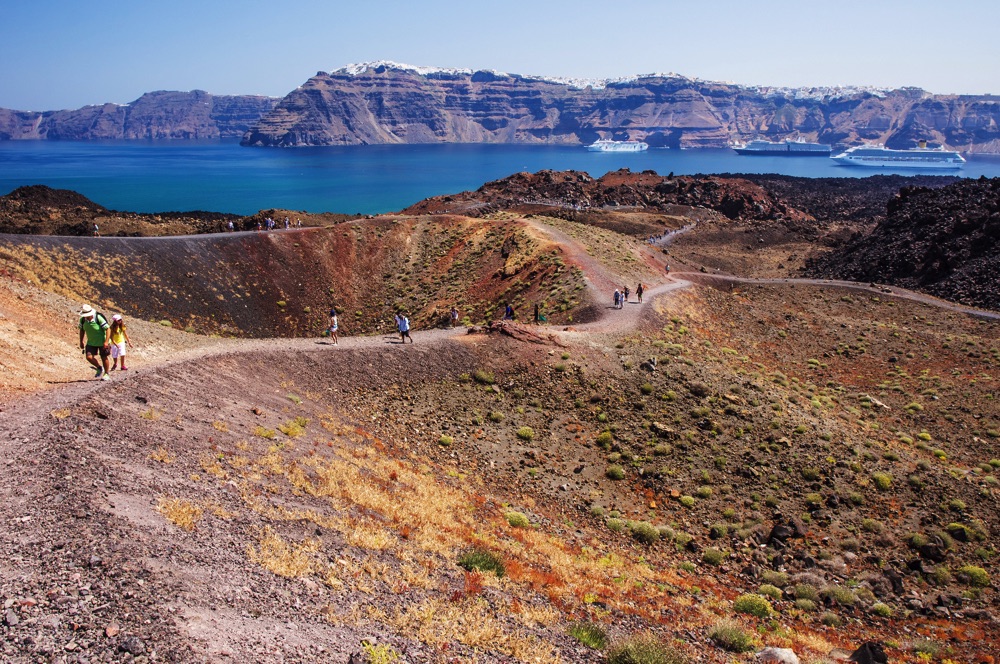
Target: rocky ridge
pixel 154 115
pixel 391 103
pixel 940 241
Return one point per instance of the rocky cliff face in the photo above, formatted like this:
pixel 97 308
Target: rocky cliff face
pixel 389 103
pixel 174 115
pixel 942 241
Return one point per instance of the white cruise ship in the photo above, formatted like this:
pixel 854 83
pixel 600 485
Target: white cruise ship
pixel 607 145
pixel 879 156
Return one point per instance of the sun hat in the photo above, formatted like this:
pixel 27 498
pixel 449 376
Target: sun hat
pixel 87 311
pixel 116 317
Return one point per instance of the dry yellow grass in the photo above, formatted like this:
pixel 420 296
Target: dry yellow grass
pixel 212 466
pixel 283 558
pixel 162 455
pixel 471 623
pixel 182 513
pixel 61 413
pixel 220 426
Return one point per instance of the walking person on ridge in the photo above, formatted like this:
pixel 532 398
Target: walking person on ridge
pixel 403 324
pixel 94 329
pixel 334 326
pixel 119 341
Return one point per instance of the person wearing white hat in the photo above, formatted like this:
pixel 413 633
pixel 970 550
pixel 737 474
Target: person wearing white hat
pixel 95 331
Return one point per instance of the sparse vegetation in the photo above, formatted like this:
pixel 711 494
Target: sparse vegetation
pixel 589 634
pixel 729 635
pixel 643 649
pixel 482 560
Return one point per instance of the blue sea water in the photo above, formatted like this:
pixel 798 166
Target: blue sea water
pixel 222 176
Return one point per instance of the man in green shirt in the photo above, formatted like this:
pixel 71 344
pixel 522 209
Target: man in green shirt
pixel 96 332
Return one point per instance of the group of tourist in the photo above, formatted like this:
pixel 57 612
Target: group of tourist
pixel 621 295
pixel 101 340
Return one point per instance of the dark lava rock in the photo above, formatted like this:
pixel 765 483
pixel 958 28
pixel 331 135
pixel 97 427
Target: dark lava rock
pixel 869 653
pixel 943 241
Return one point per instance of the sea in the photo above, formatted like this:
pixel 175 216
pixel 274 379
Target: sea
pixel 222 176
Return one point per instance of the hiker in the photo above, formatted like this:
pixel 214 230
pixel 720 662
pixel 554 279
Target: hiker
pixel 119 340
pixel 508 312
pixel 668 268
pixel 403 324
pixel 454 316
pixel 638 292
pixel 618 298
pixel 230 226
pixel 94 329
pixel 286 223
pixel 333 325
pixel 627 291
pixel 97 231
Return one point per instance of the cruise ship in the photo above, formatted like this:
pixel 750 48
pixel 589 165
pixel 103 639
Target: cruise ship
pixel 786 148
pixel 608 145
pixel 879 156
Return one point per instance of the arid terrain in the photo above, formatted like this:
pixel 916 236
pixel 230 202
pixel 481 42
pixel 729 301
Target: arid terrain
pixel 749 458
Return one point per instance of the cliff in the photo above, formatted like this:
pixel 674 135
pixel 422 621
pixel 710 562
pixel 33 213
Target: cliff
pixel 390 103
pixel 944 241
pixel 173 115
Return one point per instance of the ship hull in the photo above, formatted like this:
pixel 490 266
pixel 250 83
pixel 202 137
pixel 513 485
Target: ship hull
pixel 783 153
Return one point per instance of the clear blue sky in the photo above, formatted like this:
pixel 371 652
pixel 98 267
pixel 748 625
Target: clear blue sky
pixel 57 54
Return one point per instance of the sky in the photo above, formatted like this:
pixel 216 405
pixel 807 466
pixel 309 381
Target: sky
pixel 59 54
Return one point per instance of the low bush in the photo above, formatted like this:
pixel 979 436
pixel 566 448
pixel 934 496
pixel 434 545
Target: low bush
pixel 728 635
pixel 882 481
pixel 615 472
pixel 805 604
pixel 604 439
pixel 445 440
pixel 974 576
pixel 806 591
pixel 644 532
pixel 483 377
pixel 644 649
pixel 712 556
pixel 517 520
pixel 753 605
pixel 840 595
pixel 767 590
pixel 589 634
pixel 831 619
pixel 882 610
pixel 483 560
pixel 526 434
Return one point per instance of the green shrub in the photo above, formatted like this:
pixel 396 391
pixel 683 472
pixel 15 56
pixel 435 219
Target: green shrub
pixel 779 579
pixel 840 595
pixel 589 634
pixel 974 576
pixel 445 440
pixel 604 439
pixel 704 492
pixel 728 635
pixel 644 532
pixel 767 590
pixel 596 510
pixel 712 556
pixel 483 377
pixel 662 449
pixel 646 388
pixel 871 526
pixel 495 416
pixel 615 472
pixel 753 605
pixel 810 474
pixel 831 619
pixel 805 604
pixel 644 649
pixel 615 525
pixel 483 560
pixel 882 481
pixel 882 610
pixel 526 434
pixel 686 501
pixel 517 520
pixel 718 530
